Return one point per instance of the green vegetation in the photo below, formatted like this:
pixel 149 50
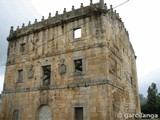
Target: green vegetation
pixel 151 104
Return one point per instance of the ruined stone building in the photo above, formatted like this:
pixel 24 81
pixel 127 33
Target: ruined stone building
pixel 79 65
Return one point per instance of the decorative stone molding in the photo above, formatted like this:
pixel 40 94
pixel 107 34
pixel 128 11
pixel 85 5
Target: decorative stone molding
pixel 62 68
pixel 30 72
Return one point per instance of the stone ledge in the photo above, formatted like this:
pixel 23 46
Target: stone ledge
pixel 86 83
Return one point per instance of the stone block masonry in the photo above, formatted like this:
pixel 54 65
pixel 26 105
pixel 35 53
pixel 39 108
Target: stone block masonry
pixel 79 65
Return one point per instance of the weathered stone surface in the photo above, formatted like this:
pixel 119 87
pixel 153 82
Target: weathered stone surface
pixel 96 71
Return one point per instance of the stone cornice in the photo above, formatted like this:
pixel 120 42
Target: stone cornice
pixel 62 19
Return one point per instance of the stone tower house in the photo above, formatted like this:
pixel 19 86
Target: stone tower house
pixel 79 65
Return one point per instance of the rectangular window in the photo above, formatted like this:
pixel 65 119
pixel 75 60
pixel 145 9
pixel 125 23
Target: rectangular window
pixel 78 65
pixel 20 75
pixel 131 80
pixel 46 75
pixel 78 113
pixel 23 48
pixel 77 33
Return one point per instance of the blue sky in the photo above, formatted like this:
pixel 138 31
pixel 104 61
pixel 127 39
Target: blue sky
pixel 141 19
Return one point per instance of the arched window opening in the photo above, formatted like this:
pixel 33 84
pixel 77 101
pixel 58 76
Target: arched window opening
pixel 15 115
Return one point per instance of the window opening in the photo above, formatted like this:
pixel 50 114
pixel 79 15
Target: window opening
pixel 79 113
pixel 23 48
pixel 131 80
pixel 20 75
pixel 78 65
pixel 77 33
pixel 46 75
pixel 16 115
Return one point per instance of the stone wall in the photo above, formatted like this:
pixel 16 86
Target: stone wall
pixel 50 72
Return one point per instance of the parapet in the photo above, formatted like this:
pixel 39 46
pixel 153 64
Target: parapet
pixel 61 19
